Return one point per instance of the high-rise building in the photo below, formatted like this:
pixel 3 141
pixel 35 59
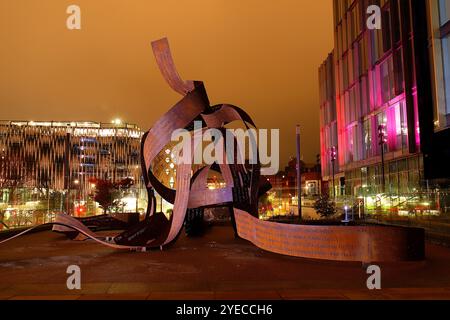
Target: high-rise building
pixel 328 126
pixel 66 155
pixel 385 98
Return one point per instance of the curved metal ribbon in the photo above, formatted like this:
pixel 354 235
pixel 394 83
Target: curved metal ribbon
pixel 243 187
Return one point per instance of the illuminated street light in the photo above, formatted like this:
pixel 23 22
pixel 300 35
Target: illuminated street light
pixel 346 219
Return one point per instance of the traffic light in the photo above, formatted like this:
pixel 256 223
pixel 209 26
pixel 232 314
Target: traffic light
pixel 382 135
pixel 81 209
pixel 333 154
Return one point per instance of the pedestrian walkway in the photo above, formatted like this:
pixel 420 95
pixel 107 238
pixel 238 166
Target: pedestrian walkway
pixel 215 266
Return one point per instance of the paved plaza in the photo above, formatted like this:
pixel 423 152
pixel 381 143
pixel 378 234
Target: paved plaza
pixel 215 266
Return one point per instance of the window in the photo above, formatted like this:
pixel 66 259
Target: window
pixel 350 66
pixel 395 23
pixel 357 142
pixel 446 60
pixel 381 119
pixel 367 137
pixel 347 108
pixel 441 60
pixel 331 135
pixel 353 144
pixel 365 96
pixel 345 70
pixel 344 35
pixel 384 70
pixel 386 34
pixel 387 80
pixel 357 19
pixel 398 72
pixel 444 11
pixel 374 43
pixel 357 61
pixel 350 146
pixel 401 126
pixel 365 53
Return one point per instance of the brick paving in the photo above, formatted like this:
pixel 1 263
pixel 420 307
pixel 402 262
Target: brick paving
pixel 215 266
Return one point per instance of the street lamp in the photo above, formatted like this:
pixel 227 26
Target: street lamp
pixel 299 174
pixel 382 137
pixel 333 156
pixel 346 219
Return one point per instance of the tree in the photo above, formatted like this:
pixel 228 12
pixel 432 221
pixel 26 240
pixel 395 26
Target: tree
pixel 325 207
pixel 126 183
pixel 108 194
pixel 264 203
pixel 104 194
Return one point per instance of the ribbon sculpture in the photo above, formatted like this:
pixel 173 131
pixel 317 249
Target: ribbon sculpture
pixel 192 196
pixel 244 185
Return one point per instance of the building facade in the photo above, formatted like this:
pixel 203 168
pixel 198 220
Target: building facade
pixel 62 156
pixel 384 98
pixel 283 196
pixel 332 175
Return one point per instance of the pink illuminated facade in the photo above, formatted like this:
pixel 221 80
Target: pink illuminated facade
pixel 376 80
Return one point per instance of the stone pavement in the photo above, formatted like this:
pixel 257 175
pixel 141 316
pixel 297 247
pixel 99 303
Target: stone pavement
pixel 215 266
pixel 385 294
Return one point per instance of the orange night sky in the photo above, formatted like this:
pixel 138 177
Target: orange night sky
pixel 260 55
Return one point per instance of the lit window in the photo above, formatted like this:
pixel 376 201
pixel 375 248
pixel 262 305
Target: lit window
pixel 446 60
pixel 444 11
pixel 441 59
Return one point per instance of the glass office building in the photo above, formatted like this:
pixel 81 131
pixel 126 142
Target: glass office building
pixel 384 98
pixel 61 156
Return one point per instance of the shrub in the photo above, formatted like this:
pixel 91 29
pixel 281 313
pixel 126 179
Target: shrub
pixel 325 207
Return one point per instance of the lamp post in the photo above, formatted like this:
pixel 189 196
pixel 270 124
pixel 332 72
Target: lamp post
pixel 346 217
pixel 382 136
pixel 299 175
pixel 333 155
pixel 77 183
pixel 137 198
pixel 92 207
pixel 48 204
